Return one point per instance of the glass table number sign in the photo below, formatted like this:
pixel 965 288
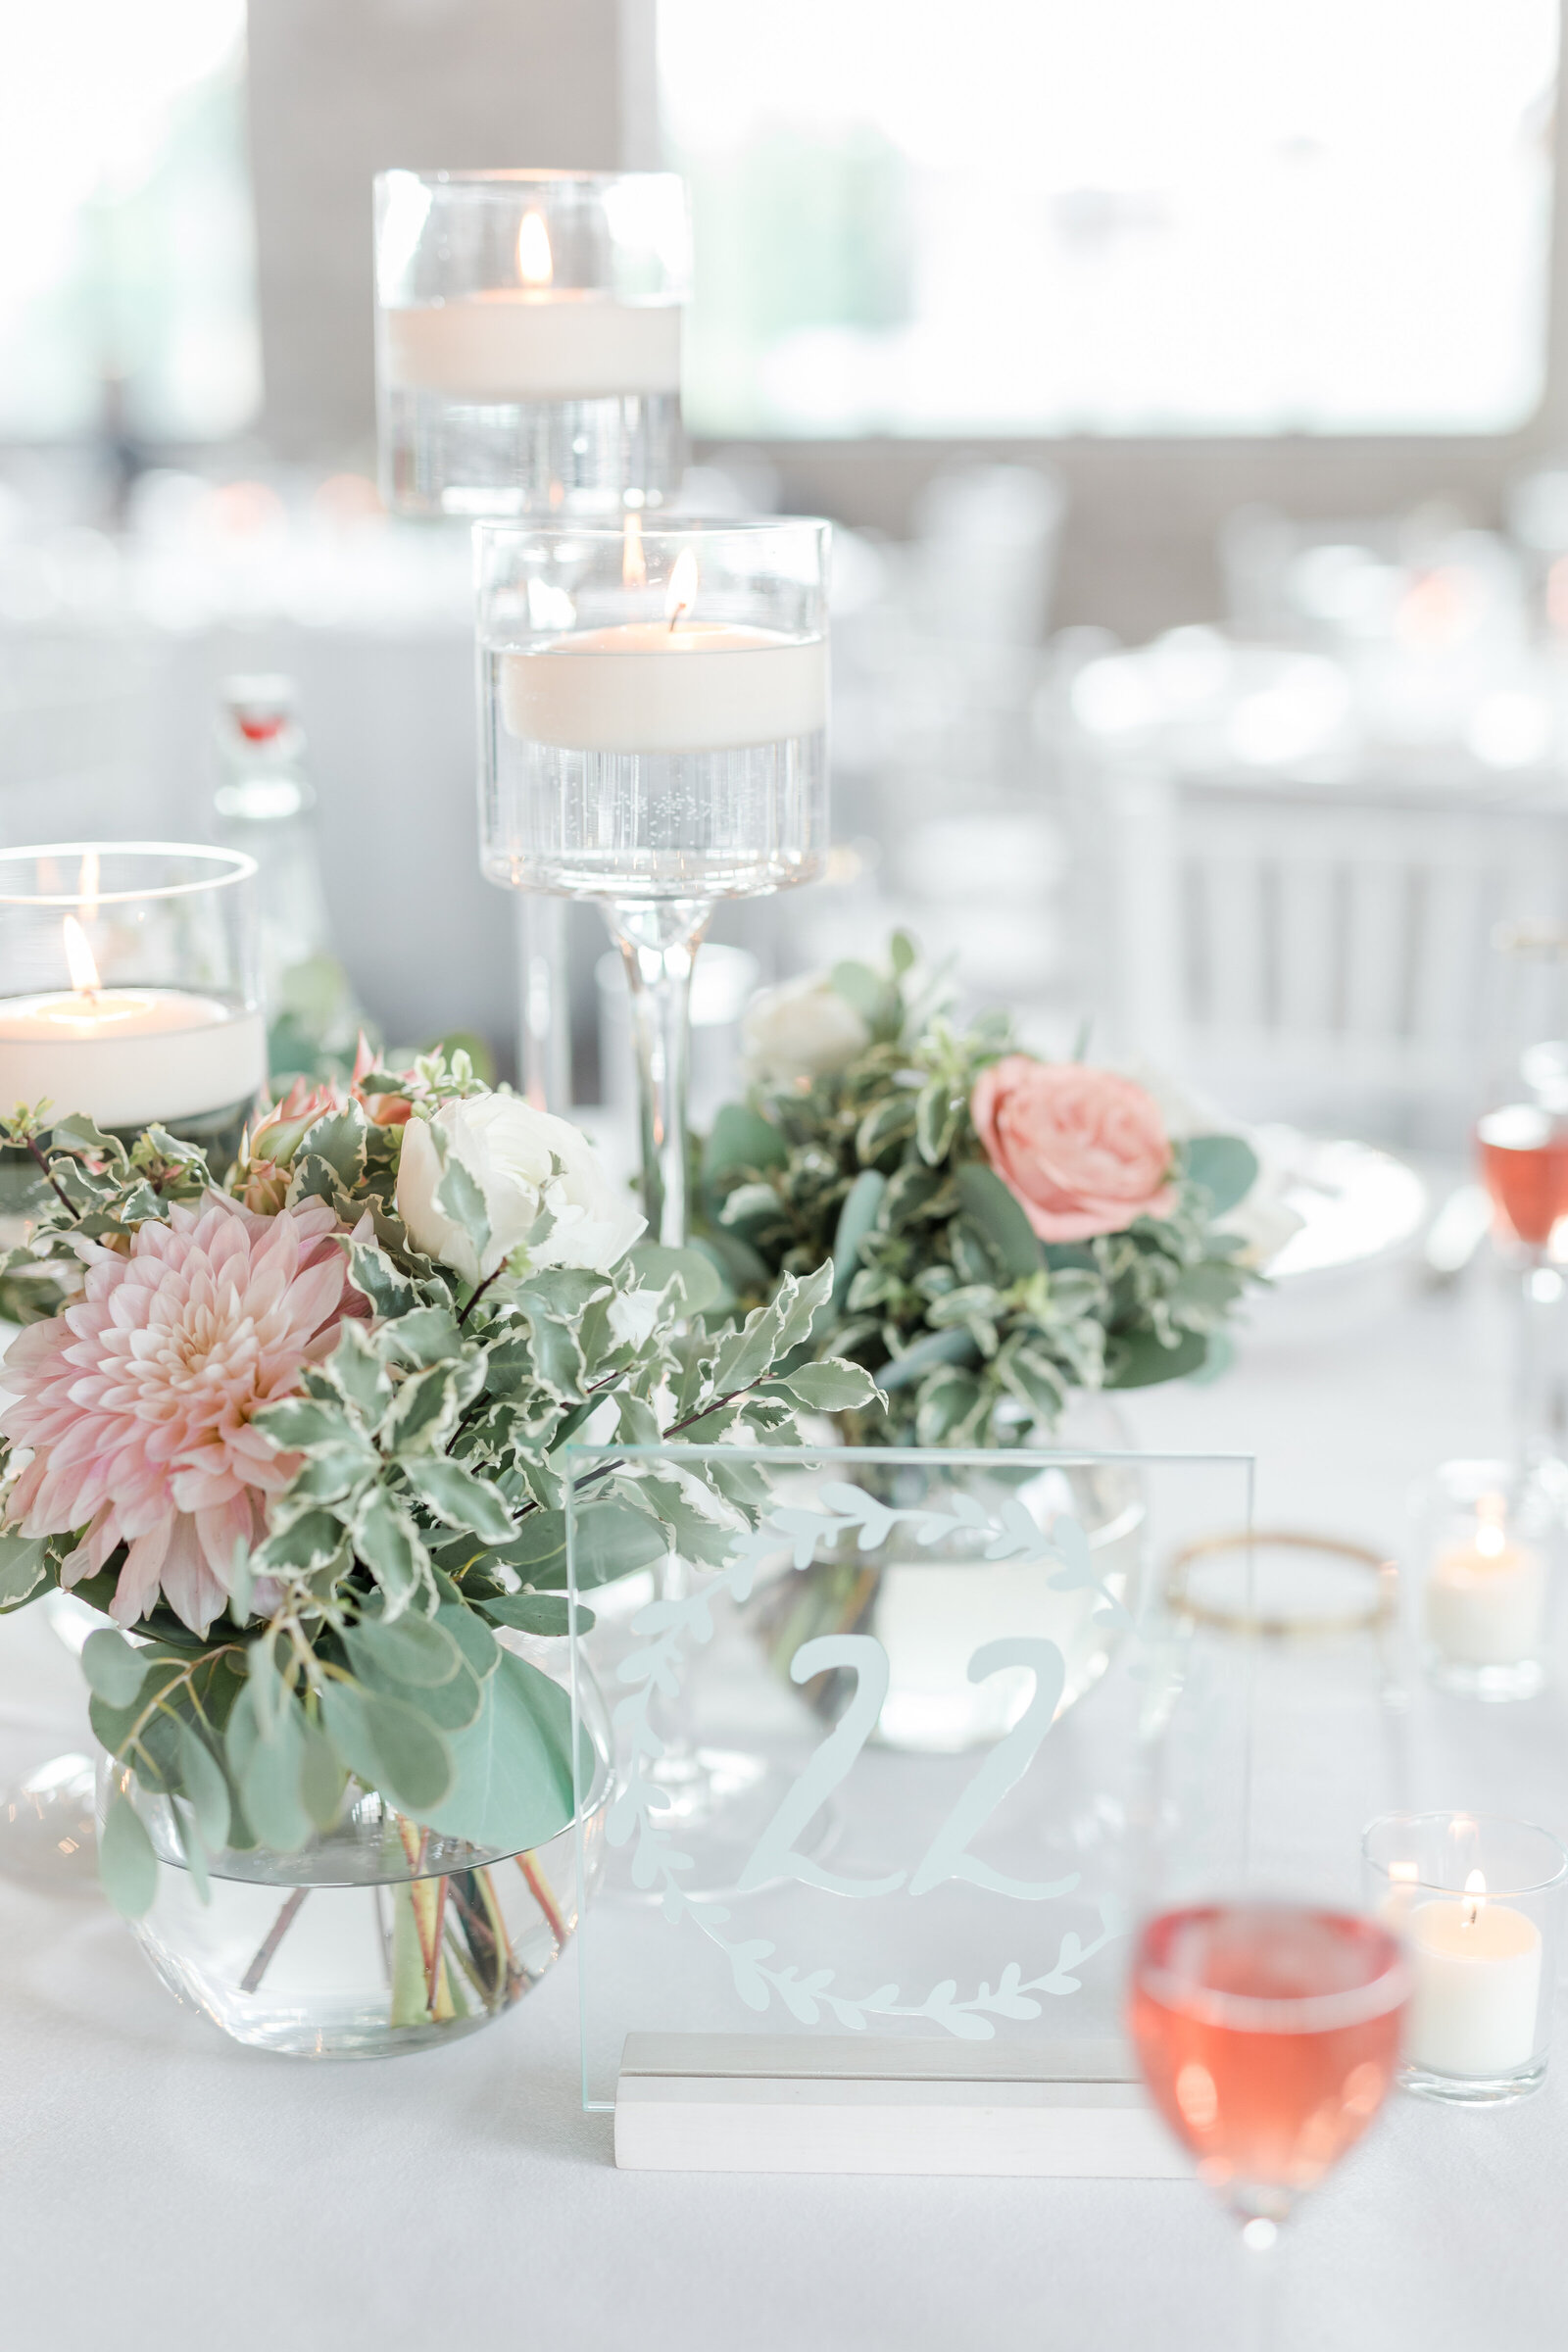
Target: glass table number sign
pixel 890 1791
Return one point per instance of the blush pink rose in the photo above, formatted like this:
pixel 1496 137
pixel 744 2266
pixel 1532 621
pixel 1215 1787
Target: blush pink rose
pixel 1083 1151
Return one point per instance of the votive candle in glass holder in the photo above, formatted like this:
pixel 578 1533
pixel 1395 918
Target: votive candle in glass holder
pixel 528 331
pixel 1485 1536
pixel 129 987
pixel 1478 1901
pixel 653 735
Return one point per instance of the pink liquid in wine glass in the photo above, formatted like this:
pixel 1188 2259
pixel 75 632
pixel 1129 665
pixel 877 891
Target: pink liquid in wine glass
pixel 1524 1160
pixel 1268 2037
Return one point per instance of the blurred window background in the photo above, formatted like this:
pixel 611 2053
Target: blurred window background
pixel 127 287
pixel 1037 217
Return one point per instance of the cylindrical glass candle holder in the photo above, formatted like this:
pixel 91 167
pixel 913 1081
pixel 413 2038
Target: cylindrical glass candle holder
pixel 654 714
pixel 528 339
pixel 1485 1534
pixel 129 987
pixel 1478 1901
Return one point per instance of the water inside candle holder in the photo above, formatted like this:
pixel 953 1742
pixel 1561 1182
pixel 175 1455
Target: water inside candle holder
pixel 443 454
pixel 653 825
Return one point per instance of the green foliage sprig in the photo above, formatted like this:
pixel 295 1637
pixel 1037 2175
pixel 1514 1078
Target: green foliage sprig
pixel 976 1331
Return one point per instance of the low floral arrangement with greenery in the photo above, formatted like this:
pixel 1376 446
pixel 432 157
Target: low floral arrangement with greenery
pixel 1004 1231
pixel 299 1432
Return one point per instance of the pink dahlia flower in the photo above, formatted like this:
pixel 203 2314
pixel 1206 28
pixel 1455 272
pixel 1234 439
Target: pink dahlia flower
pixel 137 1400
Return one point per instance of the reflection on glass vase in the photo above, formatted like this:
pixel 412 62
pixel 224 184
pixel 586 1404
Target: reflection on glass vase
pixel 931 1605
pixel 380 1936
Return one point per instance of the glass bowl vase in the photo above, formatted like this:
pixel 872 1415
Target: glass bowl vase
pixel 379 1935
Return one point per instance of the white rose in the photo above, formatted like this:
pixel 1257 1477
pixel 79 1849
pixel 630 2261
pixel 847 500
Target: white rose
pixel 802 1029
pixel 506 1148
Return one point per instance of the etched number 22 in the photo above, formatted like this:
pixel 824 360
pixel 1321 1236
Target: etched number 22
pixel 775 1857
pixel 948 1855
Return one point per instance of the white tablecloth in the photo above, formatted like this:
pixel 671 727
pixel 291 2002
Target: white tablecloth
pixel 163 2187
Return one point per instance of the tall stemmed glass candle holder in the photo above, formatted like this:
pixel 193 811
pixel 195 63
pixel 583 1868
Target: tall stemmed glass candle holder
pixel 528 339
pixel 654 722
pixel 1478 1902
pixel 129 987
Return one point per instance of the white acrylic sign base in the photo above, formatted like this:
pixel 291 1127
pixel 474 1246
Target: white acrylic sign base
pixel 758 2103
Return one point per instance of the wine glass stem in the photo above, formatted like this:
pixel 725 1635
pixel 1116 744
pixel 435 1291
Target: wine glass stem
pixel 659 939
pixel 1260 2275
pixel 1535 1406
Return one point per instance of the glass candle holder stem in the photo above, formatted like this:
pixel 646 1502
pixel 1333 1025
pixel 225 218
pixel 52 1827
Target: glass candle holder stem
pixel 1538 1399
pixel 659 939
pixel 544 1009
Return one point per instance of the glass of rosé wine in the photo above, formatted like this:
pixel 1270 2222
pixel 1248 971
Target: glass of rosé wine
pixel 1520 1141
pixel 1267 2034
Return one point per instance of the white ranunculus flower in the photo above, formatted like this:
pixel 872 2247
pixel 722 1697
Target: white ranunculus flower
pixel 506 1148
pixel 802 1029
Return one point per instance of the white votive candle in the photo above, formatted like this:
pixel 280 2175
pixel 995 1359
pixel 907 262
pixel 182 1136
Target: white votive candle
pixel 126 1056
pixel 643 686
pixel 1477 1968
pixel 1486 1597
pixel 520 344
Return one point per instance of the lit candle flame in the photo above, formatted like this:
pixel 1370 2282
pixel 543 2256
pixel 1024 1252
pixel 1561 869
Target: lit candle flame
pixel 535 262
pixel 79 959
pixel 681 594
pixel 87 885
pixel 1475 1888
pixel 633 562
pixel 1491 1524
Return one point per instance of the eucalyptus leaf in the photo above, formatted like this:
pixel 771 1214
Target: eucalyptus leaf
pixel 1141 1363
pixel 739 1138
pixel 205 1786
pixel 411 1650
pixel 1225 1165
pixel 657 1267
pixel 115 1666
pixel 513 1787
pixel 856 1218
pixel 126 1862
pixel 954 1346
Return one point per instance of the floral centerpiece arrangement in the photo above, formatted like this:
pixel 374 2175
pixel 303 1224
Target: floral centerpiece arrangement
pixel 1004 1231
pixel 298 1431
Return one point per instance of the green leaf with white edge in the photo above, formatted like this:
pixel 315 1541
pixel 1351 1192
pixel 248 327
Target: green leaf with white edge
pixel 126 1862
pixel 388 1744
pixel 832 1387
pixel 558 1358
pixel 657 1267
pixel 936 1117
pixel 1001 1218
pixel 304 1544
pixel 340 1139
pixel 388 1543
pixel 205 1786
pixel 741 1138
pixel 300 1425
pixel 423 1412
pixel 454 1495
pixel 114 1667
pixel 856 1218
pixel 1225 1165
pixel 457 1196
pixel 428 1335
pixel 79 1133
pixel 355 1367
pixel 480 1650
pixel 23 1567
pixel 375 1277
pixel 513 1768
pixel 806 1313
pixel 953 1346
